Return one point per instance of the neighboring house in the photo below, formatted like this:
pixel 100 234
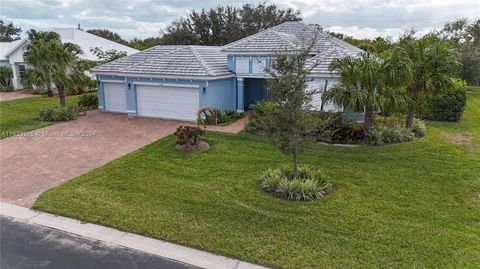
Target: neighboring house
pixel 11 53
pixel 173 82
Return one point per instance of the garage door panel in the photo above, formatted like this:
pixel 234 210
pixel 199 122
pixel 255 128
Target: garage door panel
pixel 115 97
pixel 167 102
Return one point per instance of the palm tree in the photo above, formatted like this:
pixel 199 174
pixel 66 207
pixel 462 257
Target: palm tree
pixel 54 61
pixel 36 55
pixel 66 71
pixel 367 83
pixel 433 63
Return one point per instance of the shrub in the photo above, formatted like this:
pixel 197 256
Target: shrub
pixel 188 135
pixel 448 106
pixel 258 121
pixel 383 135
pixel 88 100
pixel 310 184
pixel 57 113
pixel 331 127
pixel 227 116
pixel 419 129
pixel 6 76
pixel 92 85
pixel 39 91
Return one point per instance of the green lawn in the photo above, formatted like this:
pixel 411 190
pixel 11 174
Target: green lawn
pixel 19 115
pixel 412 205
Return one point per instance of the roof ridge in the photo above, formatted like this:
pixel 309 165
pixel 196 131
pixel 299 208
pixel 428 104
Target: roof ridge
pixel 254 35
pixel 201 60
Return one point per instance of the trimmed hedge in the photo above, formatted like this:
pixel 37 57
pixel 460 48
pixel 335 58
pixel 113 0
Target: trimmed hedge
pixel 88 100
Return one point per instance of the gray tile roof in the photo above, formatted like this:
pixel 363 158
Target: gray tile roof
pixel 319 64
pixel 181 61
pixel 211 61
pixel 292 36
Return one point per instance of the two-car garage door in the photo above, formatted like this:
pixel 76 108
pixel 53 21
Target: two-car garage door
pixel 170 102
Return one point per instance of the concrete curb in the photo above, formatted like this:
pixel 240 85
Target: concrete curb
pixel 112 236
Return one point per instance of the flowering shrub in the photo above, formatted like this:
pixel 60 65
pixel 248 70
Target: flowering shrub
pixel 188 135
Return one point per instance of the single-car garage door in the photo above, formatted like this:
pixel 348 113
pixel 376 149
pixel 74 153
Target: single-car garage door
pixel 115 97
pixel 168 102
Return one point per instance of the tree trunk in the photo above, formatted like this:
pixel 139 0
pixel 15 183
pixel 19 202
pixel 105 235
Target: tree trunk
pixel 295 162
pixel 49 89
pixel 411 112
pixel 61 94
pixel 368 122
pixel 410 116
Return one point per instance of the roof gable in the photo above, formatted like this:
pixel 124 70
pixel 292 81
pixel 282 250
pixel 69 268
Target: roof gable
pixel 88 41
pixel 291 36
pixel 7 48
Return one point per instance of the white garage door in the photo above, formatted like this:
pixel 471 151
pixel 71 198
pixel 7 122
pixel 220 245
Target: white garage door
pixel 179 103
pixel 115 97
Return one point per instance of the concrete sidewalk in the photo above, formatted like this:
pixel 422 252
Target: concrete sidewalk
pixel 112 236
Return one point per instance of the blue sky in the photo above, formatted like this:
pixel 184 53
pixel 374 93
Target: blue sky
pixel 144 18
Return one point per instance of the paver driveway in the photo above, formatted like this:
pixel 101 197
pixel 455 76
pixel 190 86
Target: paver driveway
pixel 31 165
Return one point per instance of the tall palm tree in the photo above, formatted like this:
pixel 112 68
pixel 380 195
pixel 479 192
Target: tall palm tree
pixel 66 71
pixel 433 63
pixel 57 62
pixel 367 83
pixel 36 55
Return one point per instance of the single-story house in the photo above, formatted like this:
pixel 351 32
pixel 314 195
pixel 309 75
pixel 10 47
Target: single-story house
pixel 11 53
pixel 173 82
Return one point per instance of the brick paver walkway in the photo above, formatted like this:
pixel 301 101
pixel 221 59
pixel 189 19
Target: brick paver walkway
pixel 5 96
pixel 233 128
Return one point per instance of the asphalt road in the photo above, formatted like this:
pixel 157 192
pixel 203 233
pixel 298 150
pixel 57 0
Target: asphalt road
pixel 25 245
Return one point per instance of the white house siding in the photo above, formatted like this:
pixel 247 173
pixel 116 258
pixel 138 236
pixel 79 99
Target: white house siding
pixel 318 85
pixel 16 59
pixel 4 63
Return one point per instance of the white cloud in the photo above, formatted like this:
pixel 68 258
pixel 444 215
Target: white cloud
pixel 144 18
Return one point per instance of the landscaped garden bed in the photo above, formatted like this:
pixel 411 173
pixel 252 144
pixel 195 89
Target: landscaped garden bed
pixel 411 204
pixel 210 116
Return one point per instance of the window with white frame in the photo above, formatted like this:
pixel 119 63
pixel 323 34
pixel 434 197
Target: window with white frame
pixel 22 69
pixel 243 65
pixel 259 65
